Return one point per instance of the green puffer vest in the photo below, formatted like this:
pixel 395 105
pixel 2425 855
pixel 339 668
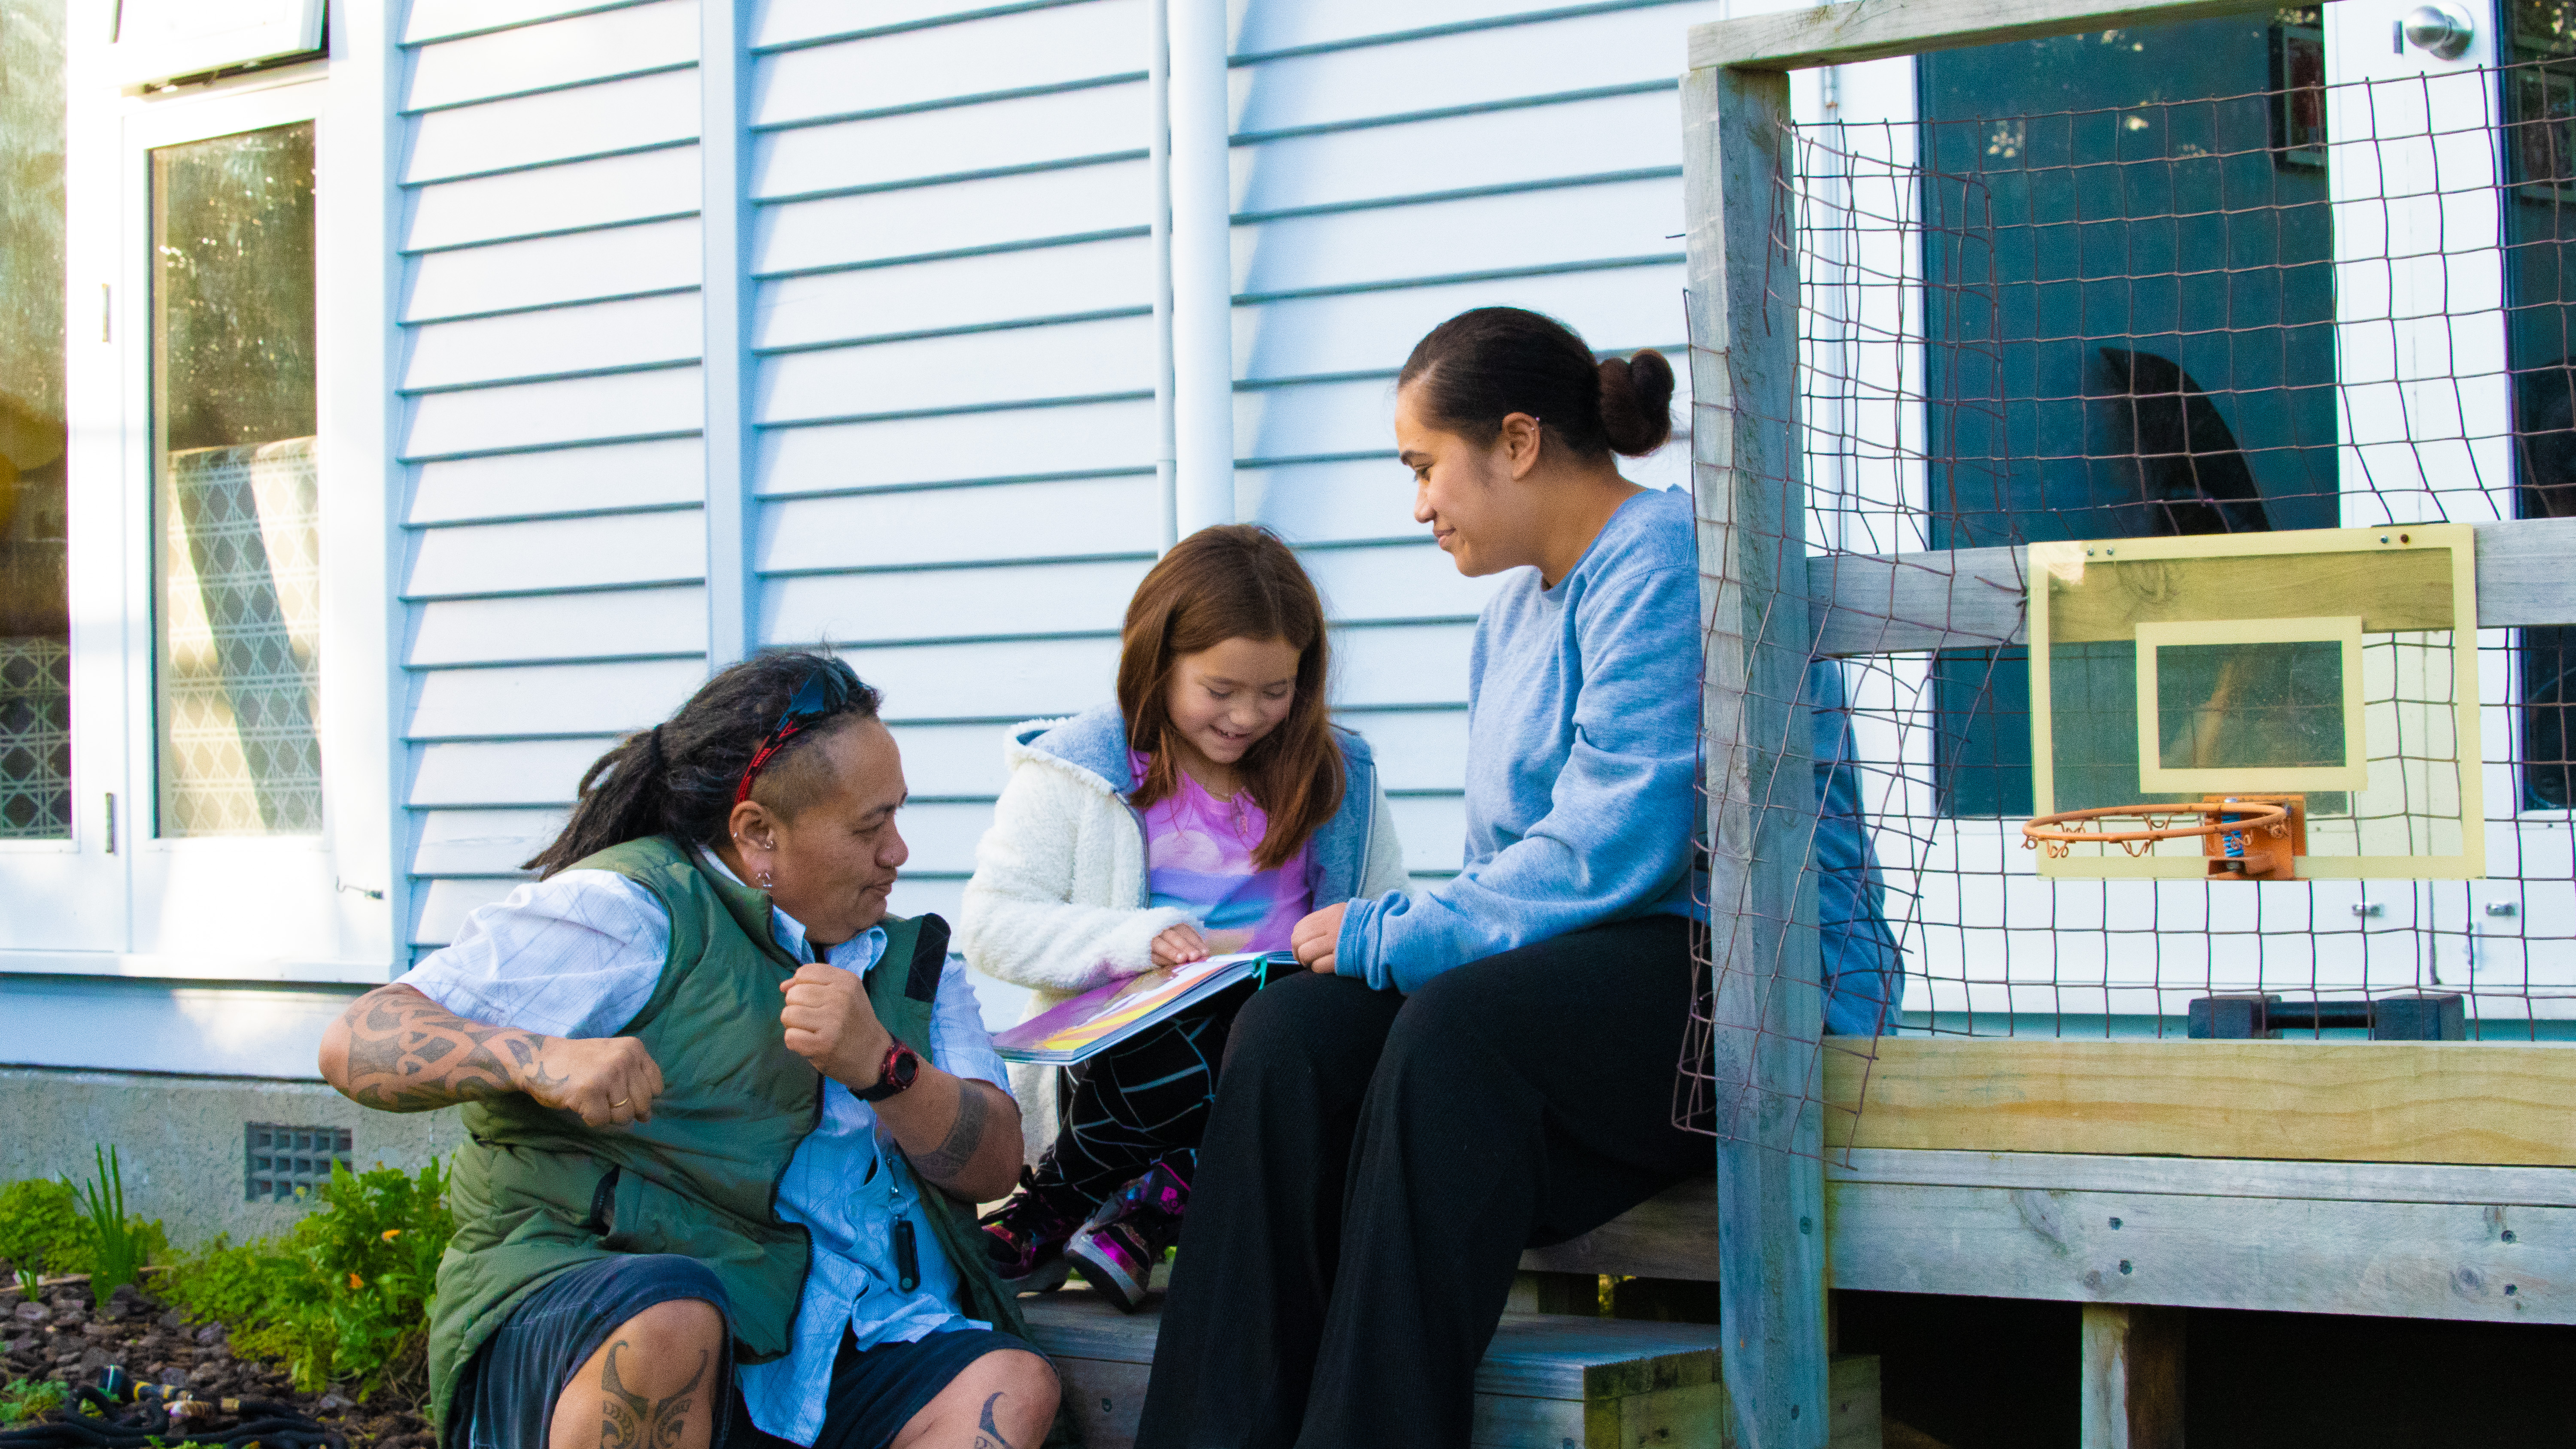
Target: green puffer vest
pixel 535 1192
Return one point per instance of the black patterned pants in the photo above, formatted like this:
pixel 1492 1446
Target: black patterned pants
pixel 1140 1102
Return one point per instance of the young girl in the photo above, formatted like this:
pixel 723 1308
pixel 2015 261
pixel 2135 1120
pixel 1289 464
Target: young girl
pixel 1204 813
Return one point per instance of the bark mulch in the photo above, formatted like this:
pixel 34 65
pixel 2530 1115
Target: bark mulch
pixel 64 1336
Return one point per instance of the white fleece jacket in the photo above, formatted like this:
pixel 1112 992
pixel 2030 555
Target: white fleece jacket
pixel 1053 904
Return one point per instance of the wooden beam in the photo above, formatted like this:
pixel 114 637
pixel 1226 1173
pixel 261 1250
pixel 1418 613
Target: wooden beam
pixel 2198 1177
pixel 2133 1380
pixel 1875 29
pixel 1895 603
pixel 2526 572
pixel 1973 598
pixel 2384 1239
pixel 2469 1261
pixel 2455 1102
pixel 1768 1002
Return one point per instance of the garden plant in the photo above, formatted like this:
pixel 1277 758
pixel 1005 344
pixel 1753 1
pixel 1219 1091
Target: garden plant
pixel 329 1318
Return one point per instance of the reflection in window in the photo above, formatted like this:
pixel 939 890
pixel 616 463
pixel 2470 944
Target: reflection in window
pixel 2540 275
pixel 2129 301
pixel 35 627
pixel 237 500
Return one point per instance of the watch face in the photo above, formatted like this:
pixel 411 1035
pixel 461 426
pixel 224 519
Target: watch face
pixel 906 1067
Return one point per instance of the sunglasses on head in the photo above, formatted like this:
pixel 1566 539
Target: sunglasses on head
pixel 824 693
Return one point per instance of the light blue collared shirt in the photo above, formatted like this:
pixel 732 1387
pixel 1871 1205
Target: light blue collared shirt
pixel 577 955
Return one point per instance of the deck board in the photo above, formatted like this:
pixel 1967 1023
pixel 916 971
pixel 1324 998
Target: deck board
pixel 2470 1103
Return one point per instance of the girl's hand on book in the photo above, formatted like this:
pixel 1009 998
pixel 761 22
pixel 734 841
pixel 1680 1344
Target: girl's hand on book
pixel 1179 946
pixel 1317 937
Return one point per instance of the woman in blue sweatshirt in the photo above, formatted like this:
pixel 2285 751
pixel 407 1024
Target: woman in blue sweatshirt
pixel 1489 1063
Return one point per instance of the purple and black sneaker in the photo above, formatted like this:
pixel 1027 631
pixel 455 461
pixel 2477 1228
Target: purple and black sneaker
pixel 1024 1238
pixel 1116 1251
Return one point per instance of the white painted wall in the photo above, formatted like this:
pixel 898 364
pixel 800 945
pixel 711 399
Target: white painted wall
pixel 550 336
pixel 1395 165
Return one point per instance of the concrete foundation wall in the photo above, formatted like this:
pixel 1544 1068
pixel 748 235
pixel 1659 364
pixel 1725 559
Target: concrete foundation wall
pixel 179 1139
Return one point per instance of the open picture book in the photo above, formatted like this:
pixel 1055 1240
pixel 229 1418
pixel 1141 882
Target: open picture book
pixel 1101 1018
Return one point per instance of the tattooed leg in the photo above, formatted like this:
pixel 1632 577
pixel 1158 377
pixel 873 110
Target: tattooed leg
pixel 1004 1400
pixel 621 1424
pixel 987 1435
pixel 652 1385
pixel 632 1421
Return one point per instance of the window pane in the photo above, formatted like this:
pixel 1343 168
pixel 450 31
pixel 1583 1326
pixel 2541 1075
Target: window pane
pixel 236 497
pixel 2540 250
pixel 2242 706
pixel 2129 296
pixel 35 628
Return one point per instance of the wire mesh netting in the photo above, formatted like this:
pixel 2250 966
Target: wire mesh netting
pixel 2170 285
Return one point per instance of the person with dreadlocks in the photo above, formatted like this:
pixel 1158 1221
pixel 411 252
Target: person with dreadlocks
pixel 727 1117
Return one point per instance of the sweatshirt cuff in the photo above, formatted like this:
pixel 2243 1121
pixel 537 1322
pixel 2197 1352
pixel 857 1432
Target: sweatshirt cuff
pixel 1355 951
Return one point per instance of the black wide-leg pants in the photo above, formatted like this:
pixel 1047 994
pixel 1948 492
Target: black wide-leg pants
pixel 1374 1166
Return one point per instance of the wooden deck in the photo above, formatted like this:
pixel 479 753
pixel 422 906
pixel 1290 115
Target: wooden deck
pixel 2400 1179
pixel 1549 1380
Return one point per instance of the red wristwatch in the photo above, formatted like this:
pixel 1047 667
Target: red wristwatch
pixel 898 1071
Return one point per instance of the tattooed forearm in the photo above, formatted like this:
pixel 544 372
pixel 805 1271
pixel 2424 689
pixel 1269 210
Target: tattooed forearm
pixel 956 1151
pixel 630 1421
pixel 989 1436
pixel 406 1053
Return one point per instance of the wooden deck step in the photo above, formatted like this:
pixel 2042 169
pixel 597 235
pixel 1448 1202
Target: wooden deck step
pixel 1549 1382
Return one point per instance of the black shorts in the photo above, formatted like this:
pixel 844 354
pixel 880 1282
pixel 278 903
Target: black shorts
pixel 508 1394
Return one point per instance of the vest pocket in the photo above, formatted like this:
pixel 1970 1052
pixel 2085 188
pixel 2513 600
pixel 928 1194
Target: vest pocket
pixel 603 1202
pixel 645 1217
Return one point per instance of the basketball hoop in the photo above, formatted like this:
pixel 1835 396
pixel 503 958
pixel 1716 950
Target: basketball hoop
pixel 2228 827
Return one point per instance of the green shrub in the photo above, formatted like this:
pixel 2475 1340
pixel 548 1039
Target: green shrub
pixel 344 1298
pixel 41 1227
pixel 28 1398
pixel 52 1227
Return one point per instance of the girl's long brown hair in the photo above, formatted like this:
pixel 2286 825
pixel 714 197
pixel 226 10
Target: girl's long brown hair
pixel 1235 581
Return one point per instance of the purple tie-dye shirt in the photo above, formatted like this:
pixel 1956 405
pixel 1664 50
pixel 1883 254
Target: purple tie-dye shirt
pixel 1198 857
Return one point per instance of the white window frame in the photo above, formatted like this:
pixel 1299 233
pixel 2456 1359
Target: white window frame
pixel 318 908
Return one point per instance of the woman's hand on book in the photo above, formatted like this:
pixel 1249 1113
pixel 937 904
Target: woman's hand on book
pixel 1317 937
pixel 1179 946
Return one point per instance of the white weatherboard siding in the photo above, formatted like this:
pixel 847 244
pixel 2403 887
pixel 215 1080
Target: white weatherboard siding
pixel 950 381
pixel 1394 165
pixel 954 370
pixel 552 328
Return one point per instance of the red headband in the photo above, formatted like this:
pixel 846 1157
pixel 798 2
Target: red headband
pixel 762 756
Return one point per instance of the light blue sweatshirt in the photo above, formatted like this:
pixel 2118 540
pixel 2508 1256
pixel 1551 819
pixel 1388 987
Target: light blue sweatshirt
pixel 1582 759
pixel 1583 779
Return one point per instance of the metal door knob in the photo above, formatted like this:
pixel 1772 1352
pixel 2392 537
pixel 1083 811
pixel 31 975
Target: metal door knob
pixel 2441 30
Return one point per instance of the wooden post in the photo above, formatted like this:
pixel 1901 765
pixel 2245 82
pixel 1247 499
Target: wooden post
pixel 1761 783
pixel 2132 1377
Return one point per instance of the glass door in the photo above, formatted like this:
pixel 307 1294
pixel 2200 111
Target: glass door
pixel 62 878
pixel 225 637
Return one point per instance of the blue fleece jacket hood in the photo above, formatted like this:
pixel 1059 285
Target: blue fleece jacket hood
pixel 1095 742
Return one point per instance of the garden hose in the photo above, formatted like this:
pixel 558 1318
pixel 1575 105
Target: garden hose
pixel 95 1420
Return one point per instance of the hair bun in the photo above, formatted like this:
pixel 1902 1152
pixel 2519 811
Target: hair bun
pixel 1637 402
